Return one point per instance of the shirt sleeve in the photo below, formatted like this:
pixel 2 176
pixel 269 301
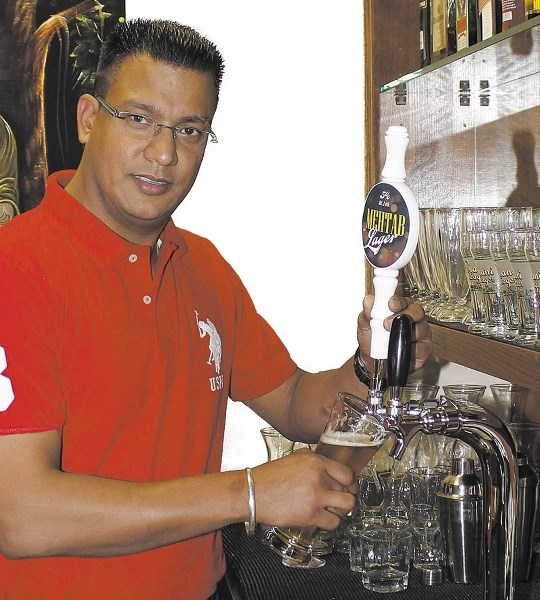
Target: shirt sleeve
pixel 261 360
pixel 31 398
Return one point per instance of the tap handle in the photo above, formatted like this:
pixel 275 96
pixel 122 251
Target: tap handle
pixel 399 350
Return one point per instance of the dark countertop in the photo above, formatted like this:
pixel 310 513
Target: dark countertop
pixel 256 573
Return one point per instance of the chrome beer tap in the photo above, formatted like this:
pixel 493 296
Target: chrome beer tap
pixel 491 440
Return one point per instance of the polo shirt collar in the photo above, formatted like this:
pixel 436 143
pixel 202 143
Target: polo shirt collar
pixel 100 241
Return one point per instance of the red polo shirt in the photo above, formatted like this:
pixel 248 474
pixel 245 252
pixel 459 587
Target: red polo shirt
pixel 134 371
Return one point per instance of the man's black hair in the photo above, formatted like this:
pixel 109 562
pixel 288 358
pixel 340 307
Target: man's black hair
pixel 163 40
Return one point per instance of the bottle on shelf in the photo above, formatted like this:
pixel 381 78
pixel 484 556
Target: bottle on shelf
pixel 452 25
pixel 462 25
pixel 489 18
pixel 532 8
pixel 438 29
pixel 472 8
pixel 425 46
pixel 513 13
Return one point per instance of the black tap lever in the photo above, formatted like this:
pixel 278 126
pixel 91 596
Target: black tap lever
pixel 399 353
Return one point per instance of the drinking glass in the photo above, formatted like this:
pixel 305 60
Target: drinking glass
pixel 509 282
pixel 455 308
pixel 526 438
pixel 427 262
pixel 469 392
pixel 355 546
pixel 385 558
pixel 276 444
pixel 510 399
pixel 532 249
pixel 418 393
pixel 396 498
pixel 527 299
pixel 476 321
pixel 352 436
pixel 425 482
pixel 426 528
pixel 495 317
pixel 368 507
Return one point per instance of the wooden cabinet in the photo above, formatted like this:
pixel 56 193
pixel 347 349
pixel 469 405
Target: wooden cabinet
pixel 474 123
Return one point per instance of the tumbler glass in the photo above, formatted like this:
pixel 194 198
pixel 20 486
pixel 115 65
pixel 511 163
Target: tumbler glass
pixel 385 559
pixel 352 436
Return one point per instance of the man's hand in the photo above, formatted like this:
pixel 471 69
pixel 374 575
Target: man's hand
pixel 422 346
pixel 304 489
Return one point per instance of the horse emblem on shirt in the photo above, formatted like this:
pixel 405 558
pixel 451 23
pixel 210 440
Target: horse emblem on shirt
pixel 214 343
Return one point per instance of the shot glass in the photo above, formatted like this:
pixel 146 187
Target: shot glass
pixel 385 558
pixel 469 392
pixel 419 393
pixel 510 399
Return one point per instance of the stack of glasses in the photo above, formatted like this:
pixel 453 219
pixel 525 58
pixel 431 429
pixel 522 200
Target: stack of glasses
pixel 480 267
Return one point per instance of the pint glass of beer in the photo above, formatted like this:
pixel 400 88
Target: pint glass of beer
pixel 352 436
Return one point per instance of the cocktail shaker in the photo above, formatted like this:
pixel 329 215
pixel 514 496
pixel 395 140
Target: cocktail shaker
pixel 460 505
pixel 526 516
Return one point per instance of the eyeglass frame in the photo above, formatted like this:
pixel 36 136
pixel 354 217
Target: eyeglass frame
pixel 123 115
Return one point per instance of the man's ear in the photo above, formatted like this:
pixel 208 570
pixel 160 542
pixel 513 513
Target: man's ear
pixel 87 108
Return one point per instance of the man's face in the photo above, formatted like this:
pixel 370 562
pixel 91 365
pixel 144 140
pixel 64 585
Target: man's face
pixel 131 184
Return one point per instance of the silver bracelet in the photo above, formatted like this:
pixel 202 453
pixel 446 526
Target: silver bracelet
pixel 250 524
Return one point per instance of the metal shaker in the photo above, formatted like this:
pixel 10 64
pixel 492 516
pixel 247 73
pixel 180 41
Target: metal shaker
pixel 525 519
pixel 460 505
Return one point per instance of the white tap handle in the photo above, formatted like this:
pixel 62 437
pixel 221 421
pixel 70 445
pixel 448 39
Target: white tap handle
pixel 385 284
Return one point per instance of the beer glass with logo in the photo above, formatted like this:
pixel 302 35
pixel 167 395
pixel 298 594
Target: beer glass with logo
pixel 352 436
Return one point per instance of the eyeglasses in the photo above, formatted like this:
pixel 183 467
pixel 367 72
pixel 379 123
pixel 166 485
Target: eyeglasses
pixel 141 127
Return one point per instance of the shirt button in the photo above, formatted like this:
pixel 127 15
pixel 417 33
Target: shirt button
pixel 132 258
pixel 147 299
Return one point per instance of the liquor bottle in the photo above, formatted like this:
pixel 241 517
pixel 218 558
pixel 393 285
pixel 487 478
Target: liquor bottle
pixel 473 19
pixel 425 46
pixel 532 9
pixel 438 29
pixel 513 13
pixel 452 26
pixel 489 18
pixel 462 25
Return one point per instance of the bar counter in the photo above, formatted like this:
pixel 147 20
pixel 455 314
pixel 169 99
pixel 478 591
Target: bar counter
pixel 254 572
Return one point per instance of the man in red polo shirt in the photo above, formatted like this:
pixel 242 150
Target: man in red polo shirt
pixel 121 338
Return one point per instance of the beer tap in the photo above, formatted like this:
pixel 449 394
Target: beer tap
pixel 390 228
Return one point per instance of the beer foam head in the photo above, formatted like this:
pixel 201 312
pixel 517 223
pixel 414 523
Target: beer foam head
pixel 349 438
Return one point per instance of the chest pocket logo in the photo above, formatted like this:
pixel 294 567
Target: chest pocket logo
pixel 6 389
pixel 214 343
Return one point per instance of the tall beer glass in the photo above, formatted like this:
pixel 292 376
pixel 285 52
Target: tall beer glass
pixel 352 436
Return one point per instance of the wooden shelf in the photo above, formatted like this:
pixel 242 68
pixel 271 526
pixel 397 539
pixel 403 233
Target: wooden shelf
pixel 520 366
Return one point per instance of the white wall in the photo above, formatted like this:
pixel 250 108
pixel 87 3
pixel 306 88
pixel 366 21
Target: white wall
pixel 282 194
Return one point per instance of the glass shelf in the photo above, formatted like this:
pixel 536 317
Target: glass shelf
pixel 492 46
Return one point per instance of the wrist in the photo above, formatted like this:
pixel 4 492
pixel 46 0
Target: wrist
pixel 361 371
